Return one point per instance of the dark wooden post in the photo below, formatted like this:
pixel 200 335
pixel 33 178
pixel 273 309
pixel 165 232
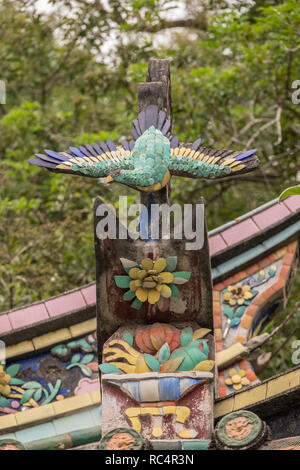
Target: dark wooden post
pixel 195 302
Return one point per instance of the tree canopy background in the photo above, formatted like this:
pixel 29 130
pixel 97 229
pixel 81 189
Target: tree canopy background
pixel 71 74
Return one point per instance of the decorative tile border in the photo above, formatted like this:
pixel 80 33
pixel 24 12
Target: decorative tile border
pixel 50 339
pixel 267 390
pixel 288 257
pixel 46 413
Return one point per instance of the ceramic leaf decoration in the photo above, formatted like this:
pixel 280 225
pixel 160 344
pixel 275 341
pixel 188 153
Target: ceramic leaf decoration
pixel 163 348
pixel 150 280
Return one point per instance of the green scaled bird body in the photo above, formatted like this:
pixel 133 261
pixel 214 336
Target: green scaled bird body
pixel 148 162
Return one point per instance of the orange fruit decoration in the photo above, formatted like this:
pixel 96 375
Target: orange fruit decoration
pixel 151 338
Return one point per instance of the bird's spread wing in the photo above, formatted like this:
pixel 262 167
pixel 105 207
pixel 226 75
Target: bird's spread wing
pixel 202 162
pixel 95 161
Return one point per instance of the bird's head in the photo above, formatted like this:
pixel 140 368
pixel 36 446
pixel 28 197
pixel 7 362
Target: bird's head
pixel 148 163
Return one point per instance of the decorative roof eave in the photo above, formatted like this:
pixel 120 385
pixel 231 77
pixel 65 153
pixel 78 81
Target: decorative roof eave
pixel 258 236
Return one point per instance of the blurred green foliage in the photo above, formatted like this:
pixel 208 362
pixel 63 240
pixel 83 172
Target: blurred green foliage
pixel 71 75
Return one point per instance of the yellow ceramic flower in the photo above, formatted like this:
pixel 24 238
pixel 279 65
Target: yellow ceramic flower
pixel 149 282
pixel 238 294
pixel 4 383
pixel 237 379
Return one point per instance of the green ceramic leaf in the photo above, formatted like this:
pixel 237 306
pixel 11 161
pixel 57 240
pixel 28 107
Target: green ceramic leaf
pixel 129 295
pixel 38 395
pixel 164 353
pixel 87 358
pixel 292 191
pixel 272 272
pixel 86 370
pixel 261 277
pixel 186 336
pixel 75 358
pixel 228 311
pixel 205 349
pixel 171 264
pixel 183 274
pixel 14 381
pixel 13 370
pixel 80 342
pixel 122 281
pixel 30 385
pixel 26 396
pixel 235 321
pixel 152 362
pixel 136 304
pixel 179 280
pixel 175 291
pixel 128 338
pixel 109 369
pixel 4 402
pixel 240 311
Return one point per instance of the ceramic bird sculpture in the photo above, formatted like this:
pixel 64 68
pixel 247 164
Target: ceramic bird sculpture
pixel 148 161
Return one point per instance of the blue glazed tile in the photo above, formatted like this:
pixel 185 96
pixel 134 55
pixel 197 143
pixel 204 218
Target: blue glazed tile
pixel 195 445
pixel 96 415
pixel 166 445
pixel 9 435
pixel 34 433
pixel 74 422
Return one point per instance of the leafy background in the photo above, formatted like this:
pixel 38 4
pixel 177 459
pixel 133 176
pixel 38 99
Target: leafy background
pixel 71 72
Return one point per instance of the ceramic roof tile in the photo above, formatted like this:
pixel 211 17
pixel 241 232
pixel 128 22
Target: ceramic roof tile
pixel 29 315
pixel 4 324
pixel 65 303
pixel 216 243
pixel 271 216
pixel 89 294
pixel 240 231
pixel 293 203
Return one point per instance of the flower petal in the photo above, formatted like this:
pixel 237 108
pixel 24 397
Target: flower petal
pixel 133 273
pixel 142 294
pixel 227 295
pixel 248 295
pixel 237 386
pixel 242 373
pixel 245 288
pixel 166 277
pixel 232 372
pixel 245 381
pixel 228 382
pixel 141 274
pixel 160 265
pixel 240 301
pixel 133 285
pixel 147 264
pixel 153 296
pixel 166 291
pixel 230 288
pixel 232 301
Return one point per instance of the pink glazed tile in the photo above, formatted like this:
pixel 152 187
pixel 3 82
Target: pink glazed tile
pixel 65 303
pixel 216 243
pixel 4 324
pixel 293 203
pixel 271 216
pixel 240 231
pixel 28 316
pixel 89 294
